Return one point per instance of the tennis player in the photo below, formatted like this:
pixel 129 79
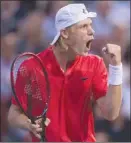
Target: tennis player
pixel 76 78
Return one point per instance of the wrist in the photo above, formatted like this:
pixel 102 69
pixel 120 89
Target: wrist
pixel 115 74
pixel 115 66
pixel 115 63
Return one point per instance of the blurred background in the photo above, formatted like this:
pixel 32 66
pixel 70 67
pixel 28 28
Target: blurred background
pixel 29 26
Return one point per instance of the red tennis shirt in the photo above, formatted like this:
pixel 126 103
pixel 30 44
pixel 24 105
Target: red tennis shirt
pixel 70 109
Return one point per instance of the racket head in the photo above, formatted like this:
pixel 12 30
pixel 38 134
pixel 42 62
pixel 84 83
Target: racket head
pixel 36 83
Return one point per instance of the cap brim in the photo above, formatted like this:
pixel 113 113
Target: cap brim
pixel 55 39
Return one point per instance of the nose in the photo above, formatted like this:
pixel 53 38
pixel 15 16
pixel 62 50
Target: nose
pixel 91 31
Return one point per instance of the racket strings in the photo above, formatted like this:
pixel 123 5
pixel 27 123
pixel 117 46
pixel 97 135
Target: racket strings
pixel 33 82
pixel 36 88
pixel 20 68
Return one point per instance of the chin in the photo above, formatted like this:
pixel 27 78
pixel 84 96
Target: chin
pixel 84 53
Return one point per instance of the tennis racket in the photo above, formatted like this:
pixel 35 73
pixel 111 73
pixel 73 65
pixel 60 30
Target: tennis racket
pixel 28 71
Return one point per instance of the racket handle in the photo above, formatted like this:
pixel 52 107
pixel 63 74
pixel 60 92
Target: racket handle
pixel 43 139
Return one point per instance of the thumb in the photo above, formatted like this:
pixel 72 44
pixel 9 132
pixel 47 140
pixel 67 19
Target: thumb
pixel 104 50
pixel 29 121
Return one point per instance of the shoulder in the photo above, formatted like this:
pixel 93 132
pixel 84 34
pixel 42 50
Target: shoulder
pixel 46 54
pixel 92 59
pixel 30 61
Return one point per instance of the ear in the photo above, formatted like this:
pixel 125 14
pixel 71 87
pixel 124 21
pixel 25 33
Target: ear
pixel 63 44
pixel 64 33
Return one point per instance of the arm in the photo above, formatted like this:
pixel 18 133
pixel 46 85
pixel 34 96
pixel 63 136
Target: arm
pixel 16 118
pixel 111 103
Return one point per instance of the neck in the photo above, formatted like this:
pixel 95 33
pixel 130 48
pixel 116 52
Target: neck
pixel 64 57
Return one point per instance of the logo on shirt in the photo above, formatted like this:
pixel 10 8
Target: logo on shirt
pixel 84 78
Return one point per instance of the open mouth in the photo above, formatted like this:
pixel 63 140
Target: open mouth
pixel 88 44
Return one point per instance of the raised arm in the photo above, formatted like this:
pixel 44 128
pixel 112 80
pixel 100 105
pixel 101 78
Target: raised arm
pixel 111 103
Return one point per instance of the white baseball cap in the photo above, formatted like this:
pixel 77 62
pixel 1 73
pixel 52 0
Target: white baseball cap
pixel 69 15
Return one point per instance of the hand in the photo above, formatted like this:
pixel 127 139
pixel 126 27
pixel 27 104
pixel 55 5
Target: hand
pixel 113 53
pixel 36 129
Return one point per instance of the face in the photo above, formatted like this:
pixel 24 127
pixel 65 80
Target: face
pixel 79 37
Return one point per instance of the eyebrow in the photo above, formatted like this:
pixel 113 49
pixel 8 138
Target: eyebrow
pixel 85 23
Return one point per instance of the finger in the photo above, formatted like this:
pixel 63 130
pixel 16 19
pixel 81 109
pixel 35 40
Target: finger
pixel 37 133
pixel 47 122
pixel 29 121
pixel 38 121
pixel 38 136
pixel 29 125
pixel 35 126
pixel 39 130
pixel 105 50
pixel 110 49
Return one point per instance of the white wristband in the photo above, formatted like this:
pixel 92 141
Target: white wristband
pixel 115 74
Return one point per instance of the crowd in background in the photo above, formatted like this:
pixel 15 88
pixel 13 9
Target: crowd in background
pixel 29 26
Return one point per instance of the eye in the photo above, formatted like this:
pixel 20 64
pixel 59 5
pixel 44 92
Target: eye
pixel 85 26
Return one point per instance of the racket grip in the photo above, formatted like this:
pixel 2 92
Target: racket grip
pixel 43 139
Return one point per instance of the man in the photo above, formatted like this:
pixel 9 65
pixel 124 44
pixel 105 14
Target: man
pixel 76 79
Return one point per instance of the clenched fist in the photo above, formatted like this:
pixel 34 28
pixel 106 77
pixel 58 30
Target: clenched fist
pixel 113 53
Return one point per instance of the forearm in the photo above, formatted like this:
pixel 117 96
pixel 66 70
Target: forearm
pixel 17 119
pixel 112 102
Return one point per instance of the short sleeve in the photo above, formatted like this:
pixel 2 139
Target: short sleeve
pixel 100 80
